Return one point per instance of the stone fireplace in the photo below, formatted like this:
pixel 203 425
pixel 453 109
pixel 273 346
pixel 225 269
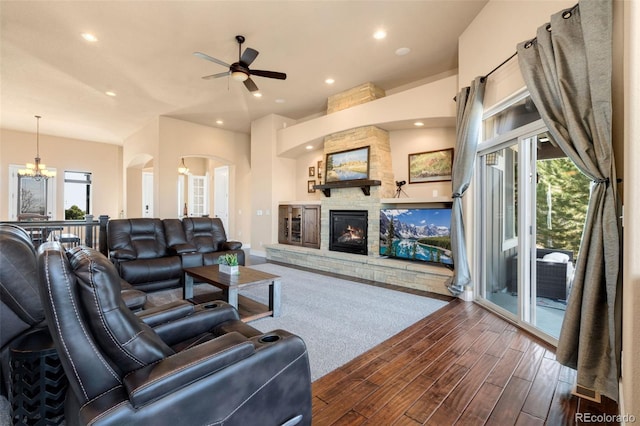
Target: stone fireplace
pixel 354 198
pixel 348 231
pixel 350 214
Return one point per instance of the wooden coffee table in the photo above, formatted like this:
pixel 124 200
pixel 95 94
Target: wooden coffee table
pixel 230 284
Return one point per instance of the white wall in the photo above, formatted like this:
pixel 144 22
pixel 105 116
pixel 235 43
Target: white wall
pixel 103 160
pixel 405 142
pixel 163 143
pixel 431 102
pixel 273 179
pixel 303 162
pixel 178 139
pixel 138 150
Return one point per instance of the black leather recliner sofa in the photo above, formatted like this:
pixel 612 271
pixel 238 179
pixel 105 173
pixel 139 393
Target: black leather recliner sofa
pixel 21 312
pixel 180 364
pixel 150 254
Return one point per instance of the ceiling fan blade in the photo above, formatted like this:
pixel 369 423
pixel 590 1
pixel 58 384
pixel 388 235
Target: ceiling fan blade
pixel 220 74
pixel 250 85
pixel 269 74
pixel 249 56
pixel 209 58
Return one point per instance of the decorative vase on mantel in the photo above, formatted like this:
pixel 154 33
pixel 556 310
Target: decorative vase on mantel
pixel 228 269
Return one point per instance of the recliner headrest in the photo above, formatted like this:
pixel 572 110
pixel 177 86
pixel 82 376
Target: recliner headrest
pixel 144 238
pixel 128 341
pixel 207 234
pixel 19 274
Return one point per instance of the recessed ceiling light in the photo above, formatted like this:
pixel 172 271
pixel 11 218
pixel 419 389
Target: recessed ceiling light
pixel 418 124
pixel 329 81
pixel 402 51
pixel 89 37
pixel 257 94
pixel 280 101
pixel 110 93
pixel 309 147
pixel 380 34
pixel 219 122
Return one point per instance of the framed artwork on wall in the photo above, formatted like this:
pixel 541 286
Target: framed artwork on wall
pixel 310 184
pixel 312 171
pixel 431 166
pixel 347 165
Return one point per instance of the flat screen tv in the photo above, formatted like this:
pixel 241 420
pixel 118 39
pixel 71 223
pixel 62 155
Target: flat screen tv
pixel 420 234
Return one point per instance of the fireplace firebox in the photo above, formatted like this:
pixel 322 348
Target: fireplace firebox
pixel 348 231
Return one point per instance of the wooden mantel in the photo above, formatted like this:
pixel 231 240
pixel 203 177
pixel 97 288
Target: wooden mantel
pixel 364 184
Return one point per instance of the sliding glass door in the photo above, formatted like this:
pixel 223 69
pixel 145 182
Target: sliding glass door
pixel 533 203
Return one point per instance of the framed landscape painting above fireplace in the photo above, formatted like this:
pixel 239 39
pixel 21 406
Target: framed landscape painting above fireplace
pixel 347 165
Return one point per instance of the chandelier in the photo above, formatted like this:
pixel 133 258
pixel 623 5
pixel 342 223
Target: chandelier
pixel 183 169
pixel 38 170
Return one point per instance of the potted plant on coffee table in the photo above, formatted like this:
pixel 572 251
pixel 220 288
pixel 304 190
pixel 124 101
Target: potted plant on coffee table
pixel 229 263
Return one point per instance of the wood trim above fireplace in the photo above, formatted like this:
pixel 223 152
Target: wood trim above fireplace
pixel 364 184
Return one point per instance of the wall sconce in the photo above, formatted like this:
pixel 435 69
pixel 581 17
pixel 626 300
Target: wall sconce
pixel 183 169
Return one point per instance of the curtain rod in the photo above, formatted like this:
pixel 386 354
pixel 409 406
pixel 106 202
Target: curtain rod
pixel 493 70
pixel 499 66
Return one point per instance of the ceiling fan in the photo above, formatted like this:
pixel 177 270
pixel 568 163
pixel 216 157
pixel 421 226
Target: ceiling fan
pixel 240 70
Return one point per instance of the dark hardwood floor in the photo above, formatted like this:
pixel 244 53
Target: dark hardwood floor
pixel 462 365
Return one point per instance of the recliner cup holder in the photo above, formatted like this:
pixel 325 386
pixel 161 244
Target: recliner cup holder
pixel 269 338
pixel 211 305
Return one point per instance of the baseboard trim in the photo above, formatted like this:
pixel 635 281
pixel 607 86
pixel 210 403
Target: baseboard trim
pixel 259 253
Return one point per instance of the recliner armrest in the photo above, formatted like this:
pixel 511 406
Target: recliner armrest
pixel 232 245
pixel 123 254
pixel 157 380
pixel 182 248
pixel 166 313
pixel 203 319
pixel 191 259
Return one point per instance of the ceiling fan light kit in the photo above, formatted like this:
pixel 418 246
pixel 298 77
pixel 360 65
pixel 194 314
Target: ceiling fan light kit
pixel 239 76
pixel 240 70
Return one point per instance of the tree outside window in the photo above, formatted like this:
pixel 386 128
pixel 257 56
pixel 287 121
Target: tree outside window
pixel 77 195
pixel 562 196
pixel 33 195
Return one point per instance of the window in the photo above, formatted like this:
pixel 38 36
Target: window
pixel 77 195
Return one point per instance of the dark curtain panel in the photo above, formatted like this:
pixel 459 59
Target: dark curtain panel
pixel 468 121
pixel 567 69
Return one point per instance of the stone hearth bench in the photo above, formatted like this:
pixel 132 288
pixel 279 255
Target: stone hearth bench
pixel 415 275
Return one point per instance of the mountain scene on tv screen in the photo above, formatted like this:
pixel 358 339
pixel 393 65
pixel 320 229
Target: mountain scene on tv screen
pixel 416 234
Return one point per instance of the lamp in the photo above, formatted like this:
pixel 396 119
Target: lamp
pixel 183 169
pixel 38 170
pixel 239 75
